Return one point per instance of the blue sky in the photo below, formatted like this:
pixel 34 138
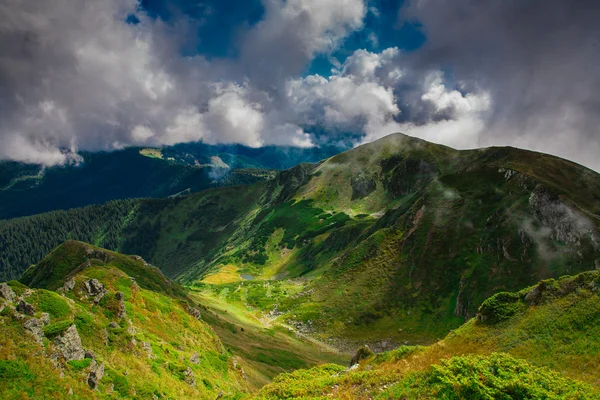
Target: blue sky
pixel 222 22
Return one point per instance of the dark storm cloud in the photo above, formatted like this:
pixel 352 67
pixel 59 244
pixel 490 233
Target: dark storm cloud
pixel 539 60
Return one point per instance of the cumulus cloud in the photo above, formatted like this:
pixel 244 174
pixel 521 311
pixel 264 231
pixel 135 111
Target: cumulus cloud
pixel 75 75
pixel 538 60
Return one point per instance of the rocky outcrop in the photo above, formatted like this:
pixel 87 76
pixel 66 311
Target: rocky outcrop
pixel 148 347
pixel 68 286
pixel 194 312
pixel 7 293
pixel 35 328
pixel 25 308
pixel 568 225
pixel 68 344
pixel 195 358
pixel 121 310
pixel 95 375
pixel 189 378
pixel 95 289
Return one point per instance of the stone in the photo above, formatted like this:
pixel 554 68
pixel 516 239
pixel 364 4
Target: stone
pixel 25 308
pixel 68 344
pixel 36 328
pixel 69 285
pixel 121 310
pixel 194 312
pixel 45 318
pixel 195 358
pixel 94 287
pixel 148 347
pixel 7 293
pixel 362 354
pixel 89 354
pixel 113 325
pixel 189 377
pixel 96 374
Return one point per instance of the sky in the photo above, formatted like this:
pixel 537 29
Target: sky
pixel 103 75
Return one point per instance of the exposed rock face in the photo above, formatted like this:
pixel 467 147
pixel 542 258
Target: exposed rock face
pixel 113 325
pixel 121 310
pixel 25 308
pixel 568 225
pixel 69 344
pixel 7 293
pixel 361 354
pixel 195 358
pixel 35 327
pixel 189 377
pixel 89 354
pixel 96 374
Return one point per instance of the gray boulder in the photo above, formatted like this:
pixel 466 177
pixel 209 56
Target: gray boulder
pixel 25 308
pixel 121 310
pixel 7 293
pixel 96 374
pixel 189 377
pixel 69 344
pixel 195 358
pixel 94 287
pixel 35 327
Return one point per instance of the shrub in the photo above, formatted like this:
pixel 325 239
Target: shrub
pixel 57 328
pixel 497 376
pixel 500 307
pixel 52 303
pixel 78 365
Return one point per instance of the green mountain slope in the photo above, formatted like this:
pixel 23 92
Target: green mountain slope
pixel 540 342
pixel 395 241
pixel 151 336
pixel 98 324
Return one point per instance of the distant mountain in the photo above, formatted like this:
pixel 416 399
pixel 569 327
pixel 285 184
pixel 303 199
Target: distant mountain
pixel 396 241
pixel 141 172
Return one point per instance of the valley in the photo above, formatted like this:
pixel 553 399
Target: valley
pixel 440 261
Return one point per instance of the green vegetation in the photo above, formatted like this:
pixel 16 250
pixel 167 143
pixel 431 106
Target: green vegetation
pixel 547 349
pixel 497 376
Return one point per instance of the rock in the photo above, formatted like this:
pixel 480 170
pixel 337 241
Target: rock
pixel 7 293
pixel 94 287
pixel 113 325
pixel 69 285
pixel 362 354
pixel 89 354
pixel 194 312
pixel 25 308
pixel 45 318
pixel 195 358
pixel 189 377
pixel 121 310
pixel 148 347
pixel 96 374
pixel 35 327
pixel 69 344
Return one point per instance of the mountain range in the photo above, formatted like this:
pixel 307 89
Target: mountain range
pixel 419 251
